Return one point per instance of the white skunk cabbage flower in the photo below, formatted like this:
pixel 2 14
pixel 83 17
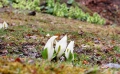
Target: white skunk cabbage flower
pixel 48 35
pixel 61 46
pixel 5 25
pixel 69 49
pixel 49 46
pixel 1 25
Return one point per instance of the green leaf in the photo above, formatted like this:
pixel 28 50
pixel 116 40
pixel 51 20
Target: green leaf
pixel 58 1
pixel 42 7
pixel 45 53
pixel 54 55
pixel 70 58
pixel 1 5
pixel 50 10
pixel 117 49
pixel 70 1
pixel 59 49
pixel 75 55
pixel 50 3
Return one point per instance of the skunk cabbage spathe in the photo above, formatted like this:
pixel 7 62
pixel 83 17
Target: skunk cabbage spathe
pixel 49 47
pixel 61 46
pixel 69 51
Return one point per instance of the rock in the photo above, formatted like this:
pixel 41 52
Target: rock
pixel 33 13
pixel 111 65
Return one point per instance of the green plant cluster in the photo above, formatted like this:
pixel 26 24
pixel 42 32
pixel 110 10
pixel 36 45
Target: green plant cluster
pixel 26 4
pixel 3 3
pixel 96 19
pixel 62 10
pixel 117 49
pixel 57 9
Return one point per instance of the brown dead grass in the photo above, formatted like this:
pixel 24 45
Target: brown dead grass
pixel 50 22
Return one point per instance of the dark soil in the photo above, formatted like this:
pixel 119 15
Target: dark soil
pixel 109 9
